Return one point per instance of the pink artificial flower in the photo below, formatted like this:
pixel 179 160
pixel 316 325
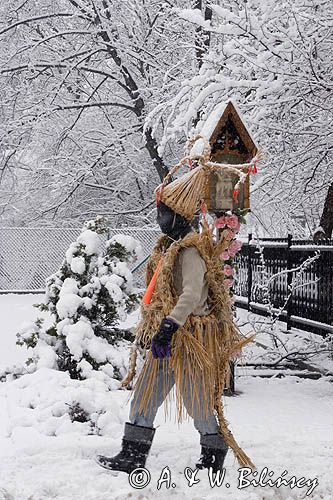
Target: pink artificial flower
pixel 228 270
pixel 235 247
pixel 238 244
pixel 228 234
pixel 220 222
pixel 233 222
pixel 229 282
pixel 225 255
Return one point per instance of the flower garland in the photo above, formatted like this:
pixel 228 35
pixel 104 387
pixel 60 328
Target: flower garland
pixel 230 224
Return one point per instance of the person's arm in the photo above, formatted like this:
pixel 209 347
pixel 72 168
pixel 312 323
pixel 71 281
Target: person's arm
pixel 193 270
pixel 193 279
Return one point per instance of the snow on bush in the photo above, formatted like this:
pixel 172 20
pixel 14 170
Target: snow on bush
pixel 87 298
pixel 50 403
pixel 132 246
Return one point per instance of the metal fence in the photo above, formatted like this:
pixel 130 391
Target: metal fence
pixel 29 255
pixel 272 274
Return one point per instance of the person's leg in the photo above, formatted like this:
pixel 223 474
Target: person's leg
pixel 205 424
pixel 139 432
pixel 213 447
pixel 162 386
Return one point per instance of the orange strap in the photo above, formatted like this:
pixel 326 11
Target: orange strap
pixel 146 299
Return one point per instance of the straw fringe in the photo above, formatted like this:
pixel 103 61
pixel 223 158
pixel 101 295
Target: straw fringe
pixel 184 194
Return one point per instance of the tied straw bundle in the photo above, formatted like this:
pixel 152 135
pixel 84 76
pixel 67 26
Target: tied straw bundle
pixel 183 195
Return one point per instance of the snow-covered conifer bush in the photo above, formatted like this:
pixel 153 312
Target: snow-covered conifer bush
pixel 86 299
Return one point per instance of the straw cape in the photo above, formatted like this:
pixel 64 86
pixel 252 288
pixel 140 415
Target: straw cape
pixel 201 349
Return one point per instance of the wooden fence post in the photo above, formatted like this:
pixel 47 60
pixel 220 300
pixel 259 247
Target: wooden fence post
pixel 230 386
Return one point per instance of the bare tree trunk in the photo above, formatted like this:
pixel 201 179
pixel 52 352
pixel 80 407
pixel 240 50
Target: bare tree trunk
pixel 202 38
pixel 326 221
pixel 151 146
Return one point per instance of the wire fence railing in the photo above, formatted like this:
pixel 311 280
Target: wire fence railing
pixel 29 255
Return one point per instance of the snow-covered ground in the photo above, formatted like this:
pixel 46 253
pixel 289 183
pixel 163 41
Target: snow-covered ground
pixel 283 424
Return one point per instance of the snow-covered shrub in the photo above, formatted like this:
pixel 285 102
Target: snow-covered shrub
pixel 50 403
pixel 86 299
pixel 13 372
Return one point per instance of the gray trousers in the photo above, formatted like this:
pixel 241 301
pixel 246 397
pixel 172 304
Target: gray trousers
pixel 207 426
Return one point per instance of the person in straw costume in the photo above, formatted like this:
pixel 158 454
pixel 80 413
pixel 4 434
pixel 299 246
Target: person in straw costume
pixel 186 327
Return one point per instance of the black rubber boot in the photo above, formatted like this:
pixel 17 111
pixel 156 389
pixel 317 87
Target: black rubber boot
pixel 213 452
pixel 136 445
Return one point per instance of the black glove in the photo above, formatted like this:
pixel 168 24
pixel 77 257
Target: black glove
pixel 161 342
